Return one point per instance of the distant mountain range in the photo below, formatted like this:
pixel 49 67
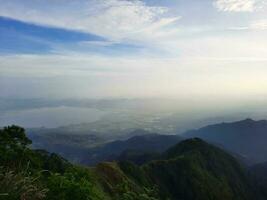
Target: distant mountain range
pixel 90 148
pixel 247 138
pixel 143 142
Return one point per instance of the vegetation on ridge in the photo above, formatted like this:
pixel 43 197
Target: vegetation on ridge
pixel 190 170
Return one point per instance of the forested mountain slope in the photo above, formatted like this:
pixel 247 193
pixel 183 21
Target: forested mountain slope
pixel 190 170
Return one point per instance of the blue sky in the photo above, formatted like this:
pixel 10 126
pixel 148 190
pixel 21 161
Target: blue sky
pixel 118 48
pixel 19 37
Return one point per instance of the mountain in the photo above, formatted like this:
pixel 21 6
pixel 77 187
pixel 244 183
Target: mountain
pixel 258 176
pixel 247 138
pixel 79 137
pixel 190 170
pixel 71 146
pixel 90 148
pixel 144 142
pixel 194 169
pixel 138 157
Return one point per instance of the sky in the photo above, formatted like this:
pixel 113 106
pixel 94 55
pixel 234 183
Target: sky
pixel 208 49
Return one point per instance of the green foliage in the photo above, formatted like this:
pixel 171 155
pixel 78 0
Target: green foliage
pixel 13 143
pixel 76 183
pixel 126 181
pixel 57 179
pixel 191 170
pixel 124 191
pixel 146 194
pixel 13 136
pixel 20 186
pixel 134 172
pixel 196 170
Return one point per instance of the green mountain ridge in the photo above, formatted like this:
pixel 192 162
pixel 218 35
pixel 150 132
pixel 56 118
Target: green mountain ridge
pixel 190 170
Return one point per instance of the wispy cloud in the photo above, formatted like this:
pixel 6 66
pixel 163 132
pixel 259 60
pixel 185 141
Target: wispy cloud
pixel 116 20
pixel 258 25
pixel 236 5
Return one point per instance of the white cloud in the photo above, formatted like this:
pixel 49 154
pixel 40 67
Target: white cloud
pixel 259 25
pixel 236 5
pixel 116 20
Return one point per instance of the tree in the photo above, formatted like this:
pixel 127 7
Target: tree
pixel 13 135
pixel 13 144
